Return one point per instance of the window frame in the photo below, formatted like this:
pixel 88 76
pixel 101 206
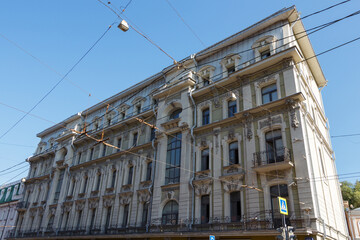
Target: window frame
pixel 234 152
pixel 232 109
pixel 171 217
pixel 205 116
pixel 205 159
pixel 173 165
pixel 269 93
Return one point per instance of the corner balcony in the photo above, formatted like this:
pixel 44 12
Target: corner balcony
pixel 271 160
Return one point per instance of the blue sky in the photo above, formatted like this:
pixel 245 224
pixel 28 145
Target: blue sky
pixel 60 32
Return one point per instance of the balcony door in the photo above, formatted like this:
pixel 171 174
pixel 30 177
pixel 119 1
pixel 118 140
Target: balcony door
pixel 274 147
pixel 276 191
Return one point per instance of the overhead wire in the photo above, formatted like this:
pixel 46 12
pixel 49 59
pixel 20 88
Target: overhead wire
pixel 186 24
pixel 53 88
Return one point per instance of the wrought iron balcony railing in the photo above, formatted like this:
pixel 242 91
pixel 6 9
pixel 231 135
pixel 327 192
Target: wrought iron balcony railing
pixel 272 156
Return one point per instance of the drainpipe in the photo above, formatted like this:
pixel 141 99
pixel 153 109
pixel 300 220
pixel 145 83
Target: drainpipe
pixel 193 138
pixel 152 178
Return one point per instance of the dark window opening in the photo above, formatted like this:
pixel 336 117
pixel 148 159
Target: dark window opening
pixel 131 169
pixel 269 94
pixel 274 147
pixel 175 114
pixel 231 69
pixel 145 214
pixel 148 171
pixel 206 116
pixel 135 137
pixel 113 178
pixel 170 213
pixel 205 209
pixel 275 192
pixel 173 159
pixel 231 108
pixel 125 215
pixel 205 159
pixel 233 153
pixel 235 206
pixel 265 54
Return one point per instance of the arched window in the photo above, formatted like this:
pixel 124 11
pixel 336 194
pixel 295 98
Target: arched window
pixel 175 114
pixel 170 213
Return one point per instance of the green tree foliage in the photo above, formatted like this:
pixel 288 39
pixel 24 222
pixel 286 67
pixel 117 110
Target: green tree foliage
pixel 351 193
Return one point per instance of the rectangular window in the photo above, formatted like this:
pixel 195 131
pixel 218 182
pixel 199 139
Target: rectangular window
pixel 104 151
pixel 119 145
pixel 173 159
pixel 269 94
pixel 281 191
pixel 107 221
pixel 265 54
pixel 58 186
pixel 274 147
pixel 138 109
pixel 205 159
pixel 152 134
pixel 79 159
pixel 79 220
pixel 135 137
pixel 206 81
pixel 206 116
pixel 235 206
pixel 231 108
pixel 131 169
pixel 231 69
pixel 113 178
pixel 51 222
pixel 91 153
pixel 126 215
pixel 233 153
pixel 145 214
pixel 85 185
pixel 148 171
pixel 98 182
pixel 92 218
pixel 205 209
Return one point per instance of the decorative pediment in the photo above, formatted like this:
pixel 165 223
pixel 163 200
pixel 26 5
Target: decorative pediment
pixel 79 205
pixel 125 198
pixel 264 41
pixel 143 195
pixel 108 201
pixel 93 203
pixel 66 207
pixel 171 124
pixel 52 210
pixel 123 107
pixel 203 187
pixel 232 182
pixel 229 60
pixel 270 121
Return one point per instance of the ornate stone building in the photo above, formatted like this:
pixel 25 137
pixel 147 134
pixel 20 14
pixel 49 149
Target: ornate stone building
pixel 203 147
pixel 10 194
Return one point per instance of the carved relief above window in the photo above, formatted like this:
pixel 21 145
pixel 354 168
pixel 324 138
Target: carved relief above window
pixel 264 47
pixel 123 108
pixel 230 64
pixel 206 75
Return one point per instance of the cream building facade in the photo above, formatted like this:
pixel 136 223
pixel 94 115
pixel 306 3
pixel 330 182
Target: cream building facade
pixel 203 147
pixel 10 195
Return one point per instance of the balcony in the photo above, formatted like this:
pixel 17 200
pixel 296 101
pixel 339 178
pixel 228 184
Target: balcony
pixel 271 160
pixel 262 223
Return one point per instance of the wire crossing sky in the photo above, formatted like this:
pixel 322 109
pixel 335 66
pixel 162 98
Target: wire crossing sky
pixel 120 59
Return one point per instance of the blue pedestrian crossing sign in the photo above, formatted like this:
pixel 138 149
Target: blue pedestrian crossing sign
pixel 283 206
pixel 211 237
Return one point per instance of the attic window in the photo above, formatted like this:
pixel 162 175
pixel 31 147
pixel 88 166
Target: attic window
pixel 265 54
pixel 231 69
